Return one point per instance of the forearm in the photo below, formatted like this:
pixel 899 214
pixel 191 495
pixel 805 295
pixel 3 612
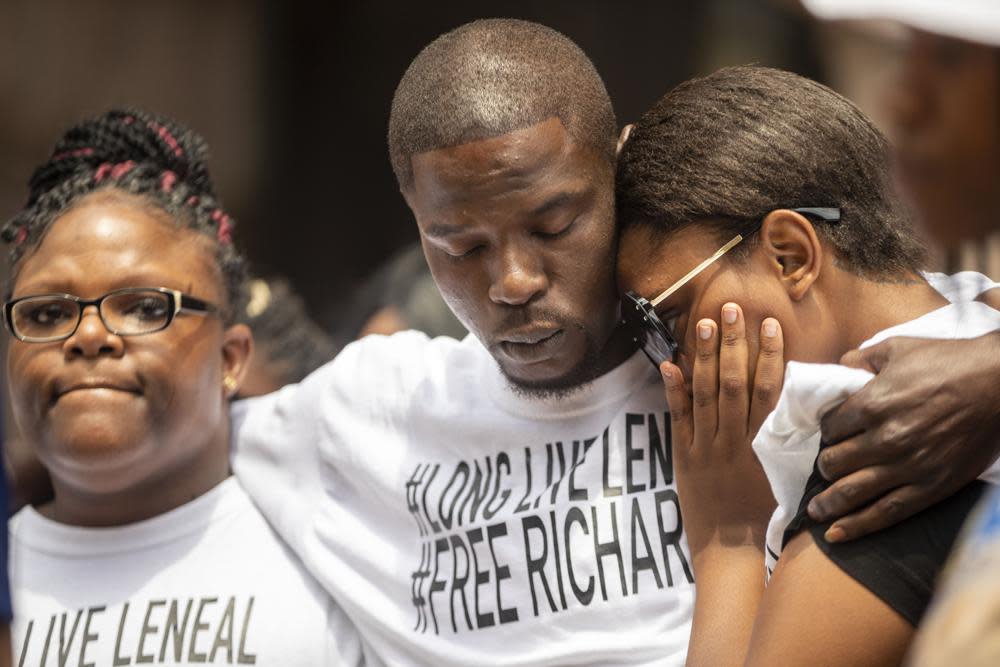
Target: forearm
pixel 991 352
pixel 991 343
pixel 975 385
pixel 730 584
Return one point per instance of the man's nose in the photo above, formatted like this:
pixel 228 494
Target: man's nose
pixel 518 278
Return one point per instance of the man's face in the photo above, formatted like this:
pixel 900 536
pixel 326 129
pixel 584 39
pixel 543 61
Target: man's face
pixel 945 122
pixel 519 234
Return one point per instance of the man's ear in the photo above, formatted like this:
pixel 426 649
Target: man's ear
pixel 237 350
pixel 793 250
pixel 623 137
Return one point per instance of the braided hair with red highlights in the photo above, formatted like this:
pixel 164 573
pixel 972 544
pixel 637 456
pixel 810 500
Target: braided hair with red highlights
pixel 140 154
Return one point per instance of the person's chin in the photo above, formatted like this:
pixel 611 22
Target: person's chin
pixel 541 374
pixel 100 466
pixel 557 374
pixel 97 439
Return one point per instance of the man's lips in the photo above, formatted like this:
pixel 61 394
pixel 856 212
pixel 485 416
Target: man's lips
pixel 529 336
pixel 529 346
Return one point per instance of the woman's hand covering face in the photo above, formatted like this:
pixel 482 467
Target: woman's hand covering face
pixel 724 494
pixel 725 497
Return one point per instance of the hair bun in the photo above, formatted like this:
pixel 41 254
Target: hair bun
pixel 121 136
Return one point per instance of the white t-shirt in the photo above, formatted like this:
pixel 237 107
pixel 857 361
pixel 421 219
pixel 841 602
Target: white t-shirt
pixel 460 523
pixel 788 441
pixel 206 583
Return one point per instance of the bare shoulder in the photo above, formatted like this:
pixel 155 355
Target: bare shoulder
pixel 813 613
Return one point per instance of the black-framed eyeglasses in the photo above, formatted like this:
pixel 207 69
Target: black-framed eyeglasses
pixel 639 315
pixel 132 311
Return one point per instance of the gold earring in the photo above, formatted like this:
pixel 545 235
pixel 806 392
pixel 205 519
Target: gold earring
pixel 229 382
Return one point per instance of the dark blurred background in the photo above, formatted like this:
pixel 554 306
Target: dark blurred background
pixel 294 98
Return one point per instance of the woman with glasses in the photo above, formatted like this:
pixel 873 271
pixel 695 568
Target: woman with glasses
pixel 122 361
pixel 760 188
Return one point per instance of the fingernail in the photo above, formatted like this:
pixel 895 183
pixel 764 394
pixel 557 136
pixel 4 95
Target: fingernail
pixel 834 534
pixel 671 378
pixel 729 313
pixel 822 465
pixel 816 510
pixel 704 331
pixel 770 328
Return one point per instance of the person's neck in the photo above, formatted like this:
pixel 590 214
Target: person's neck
pixel 618 349
pixel 150 498
pixel 870 306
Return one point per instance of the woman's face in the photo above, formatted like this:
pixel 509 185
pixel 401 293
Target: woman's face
pixel 648 266
pixel 105 412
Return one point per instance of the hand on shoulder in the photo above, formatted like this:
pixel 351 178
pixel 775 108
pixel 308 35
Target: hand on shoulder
pixel 924 427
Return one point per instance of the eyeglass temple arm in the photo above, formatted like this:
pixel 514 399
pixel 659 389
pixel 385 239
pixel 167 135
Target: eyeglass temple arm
pixel 823 213
pixel 680 283
pixel 190 303
pixel 826 214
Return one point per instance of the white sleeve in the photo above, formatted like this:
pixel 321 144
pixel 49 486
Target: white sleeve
pixel 276 453
pixel 961 286
pixel 287 447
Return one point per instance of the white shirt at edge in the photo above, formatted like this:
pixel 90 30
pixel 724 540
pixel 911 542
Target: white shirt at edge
pixel 206 583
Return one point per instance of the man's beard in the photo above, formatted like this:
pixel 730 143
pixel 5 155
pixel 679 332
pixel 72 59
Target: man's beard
pixel 569 383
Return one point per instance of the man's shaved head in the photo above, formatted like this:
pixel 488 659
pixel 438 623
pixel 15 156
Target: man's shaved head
pixel 491 77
